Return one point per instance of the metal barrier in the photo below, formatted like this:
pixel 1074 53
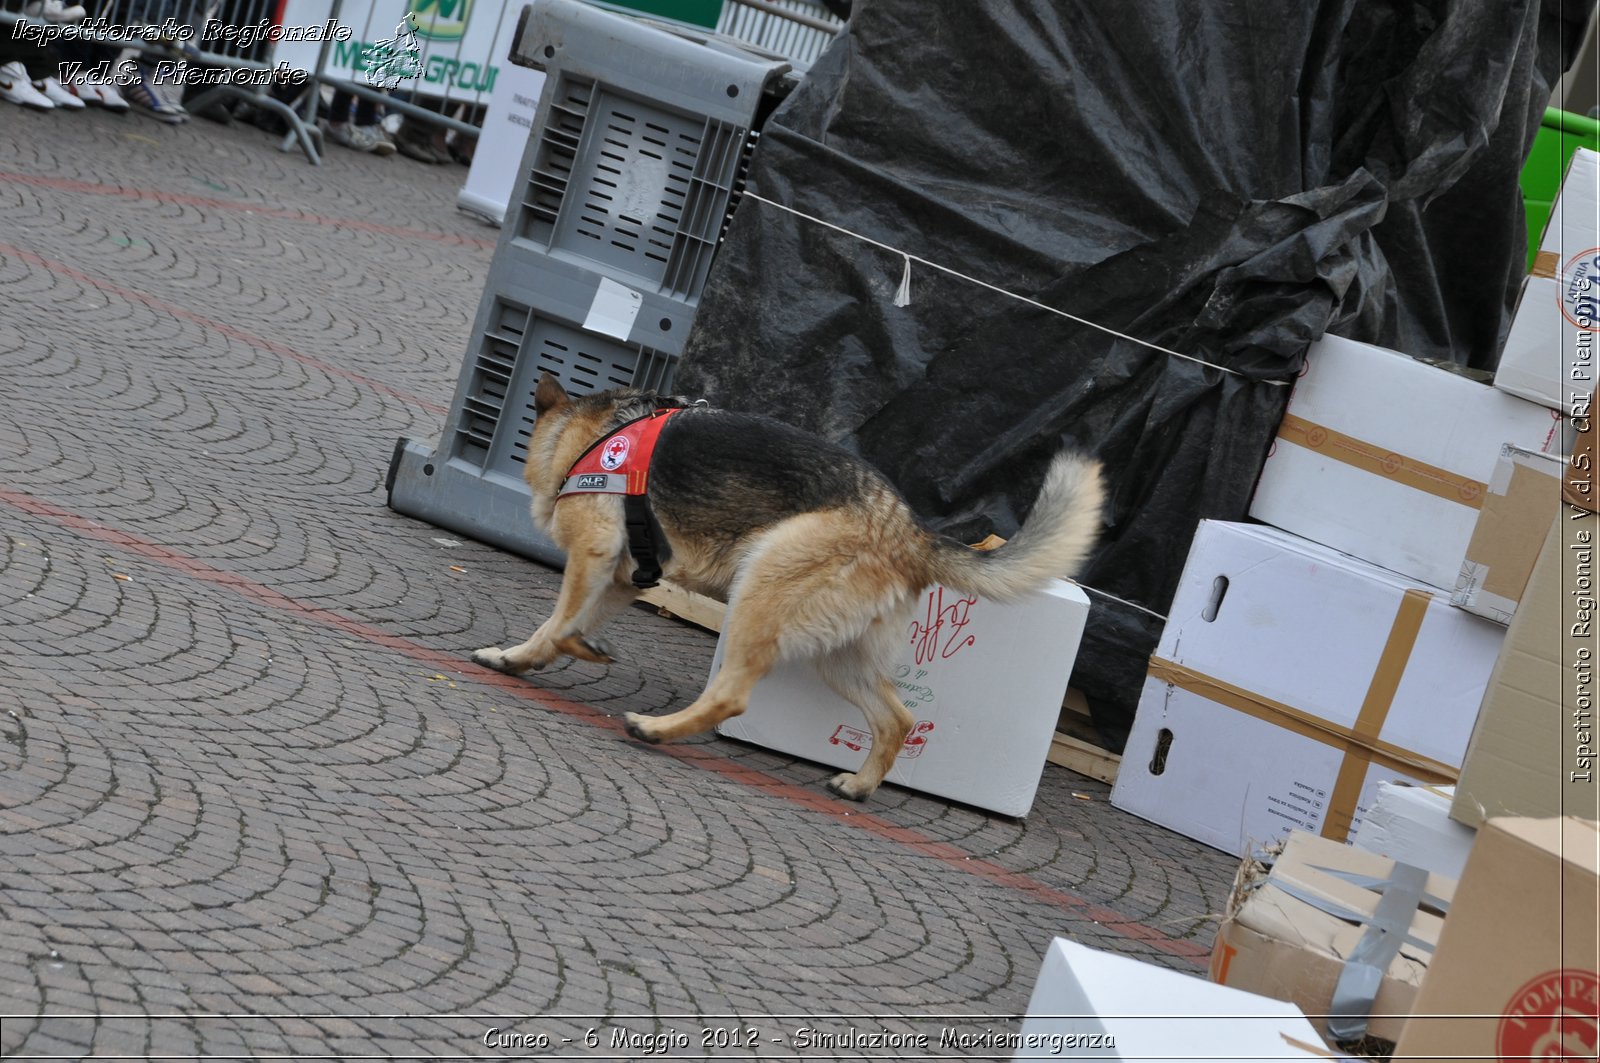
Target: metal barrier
pixel 798 30
pixel 222 44
pixel 244 49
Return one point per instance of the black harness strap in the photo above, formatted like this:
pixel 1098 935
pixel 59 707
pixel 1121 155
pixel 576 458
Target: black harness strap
pixel 644 540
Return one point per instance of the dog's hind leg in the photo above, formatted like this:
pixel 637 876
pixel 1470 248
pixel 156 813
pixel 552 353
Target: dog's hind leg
pixel 858 674
pixel 593 589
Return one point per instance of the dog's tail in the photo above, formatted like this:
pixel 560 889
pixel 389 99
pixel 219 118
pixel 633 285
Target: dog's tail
pixel 1053 541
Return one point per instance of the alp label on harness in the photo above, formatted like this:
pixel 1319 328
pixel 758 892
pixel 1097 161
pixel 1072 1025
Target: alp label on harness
pixel 596 481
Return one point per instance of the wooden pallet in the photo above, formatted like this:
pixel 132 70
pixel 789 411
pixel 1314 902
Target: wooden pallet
pixel 1076 745
pixel 672 600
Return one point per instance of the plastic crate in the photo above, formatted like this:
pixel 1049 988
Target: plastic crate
pixel 629 179
pixel 639 190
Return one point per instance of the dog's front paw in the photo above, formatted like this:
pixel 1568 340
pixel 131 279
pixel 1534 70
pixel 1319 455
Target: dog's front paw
pixel 850 785
pixel 494 657
pixel 637 727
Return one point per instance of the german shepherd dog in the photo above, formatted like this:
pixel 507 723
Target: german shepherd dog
pixel 815 552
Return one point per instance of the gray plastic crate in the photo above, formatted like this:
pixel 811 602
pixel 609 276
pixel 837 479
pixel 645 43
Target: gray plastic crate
pixel 629 178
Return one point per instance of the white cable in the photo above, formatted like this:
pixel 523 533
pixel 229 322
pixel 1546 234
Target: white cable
pixel 903 296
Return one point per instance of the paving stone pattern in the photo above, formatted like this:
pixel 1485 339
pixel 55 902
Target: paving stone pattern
pixel 255 800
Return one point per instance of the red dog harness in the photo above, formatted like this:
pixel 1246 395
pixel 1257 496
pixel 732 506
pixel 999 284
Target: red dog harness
pixel 619 464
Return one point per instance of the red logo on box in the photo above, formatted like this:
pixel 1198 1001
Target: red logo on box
pixel 1578 294
pixel 1554 1016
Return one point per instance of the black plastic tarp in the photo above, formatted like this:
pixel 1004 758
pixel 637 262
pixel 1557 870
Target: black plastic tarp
pixel 1227 180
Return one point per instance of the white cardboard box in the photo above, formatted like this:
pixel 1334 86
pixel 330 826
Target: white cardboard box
pixel 1096 1005
pixel 1413 824
pixel 984 681
pixel 1289 682
pixel 1386 458
pixel 1551 350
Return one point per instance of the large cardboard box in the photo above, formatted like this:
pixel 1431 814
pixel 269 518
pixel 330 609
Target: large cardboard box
pixel 1516 975
pixel 984 681
pixel 1292 931
pixel 1097 1005
pixel 1289 682
pixel 1522 494
pixel 1387 459
pixel 1533 752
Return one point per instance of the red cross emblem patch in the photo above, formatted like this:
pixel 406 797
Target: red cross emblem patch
pixel 614 453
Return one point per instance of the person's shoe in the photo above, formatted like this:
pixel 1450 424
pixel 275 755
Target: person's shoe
pixel 16 87
pixel 54 11
pixel 141 95
pixel 382 146
pixel 416 143
pixel 97 93
pixel 57 94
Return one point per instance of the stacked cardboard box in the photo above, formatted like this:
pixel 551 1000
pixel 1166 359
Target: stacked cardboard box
pixel 1465 489
pixel 1289 682
pixel 1395 487
pixel 1533 752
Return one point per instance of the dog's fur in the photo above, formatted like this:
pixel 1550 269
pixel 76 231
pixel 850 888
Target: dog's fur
pixel 816 553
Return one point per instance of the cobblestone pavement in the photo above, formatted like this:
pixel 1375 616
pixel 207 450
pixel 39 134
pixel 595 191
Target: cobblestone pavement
pixel 254 799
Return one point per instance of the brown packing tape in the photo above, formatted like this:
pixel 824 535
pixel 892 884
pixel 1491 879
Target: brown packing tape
pixel 1367 748
pixel 1441 483
pixel 1545 264
pixel 1374 711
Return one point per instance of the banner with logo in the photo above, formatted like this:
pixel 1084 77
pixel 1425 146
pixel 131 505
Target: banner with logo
pixel 451 50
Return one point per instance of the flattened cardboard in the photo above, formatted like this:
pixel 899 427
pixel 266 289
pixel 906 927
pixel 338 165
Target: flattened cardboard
pixel 1284 704
pixel 984 681
pixel 1516 974
pixel 1386 459
pixel 1511 527
pixel 1412 823
pixel 1533 751
pixel 1276 942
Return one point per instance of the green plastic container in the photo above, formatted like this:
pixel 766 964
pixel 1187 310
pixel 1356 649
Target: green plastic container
pixel 1560 134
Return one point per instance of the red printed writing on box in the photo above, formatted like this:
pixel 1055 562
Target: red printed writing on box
pixel 939 632
pixel 856 739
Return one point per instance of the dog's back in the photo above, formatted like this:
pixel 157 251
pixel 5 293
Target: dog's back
pixel 720 476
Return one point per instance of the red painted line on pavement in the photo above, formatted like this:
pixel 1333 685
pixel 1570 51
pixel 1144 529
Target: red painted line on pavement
pixel 810 799
pixel 92 188
pixel 261 343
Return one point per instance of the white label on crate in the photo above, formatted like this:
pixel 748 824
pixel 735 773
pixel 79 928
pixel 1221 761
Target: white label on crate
pixel 613 310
